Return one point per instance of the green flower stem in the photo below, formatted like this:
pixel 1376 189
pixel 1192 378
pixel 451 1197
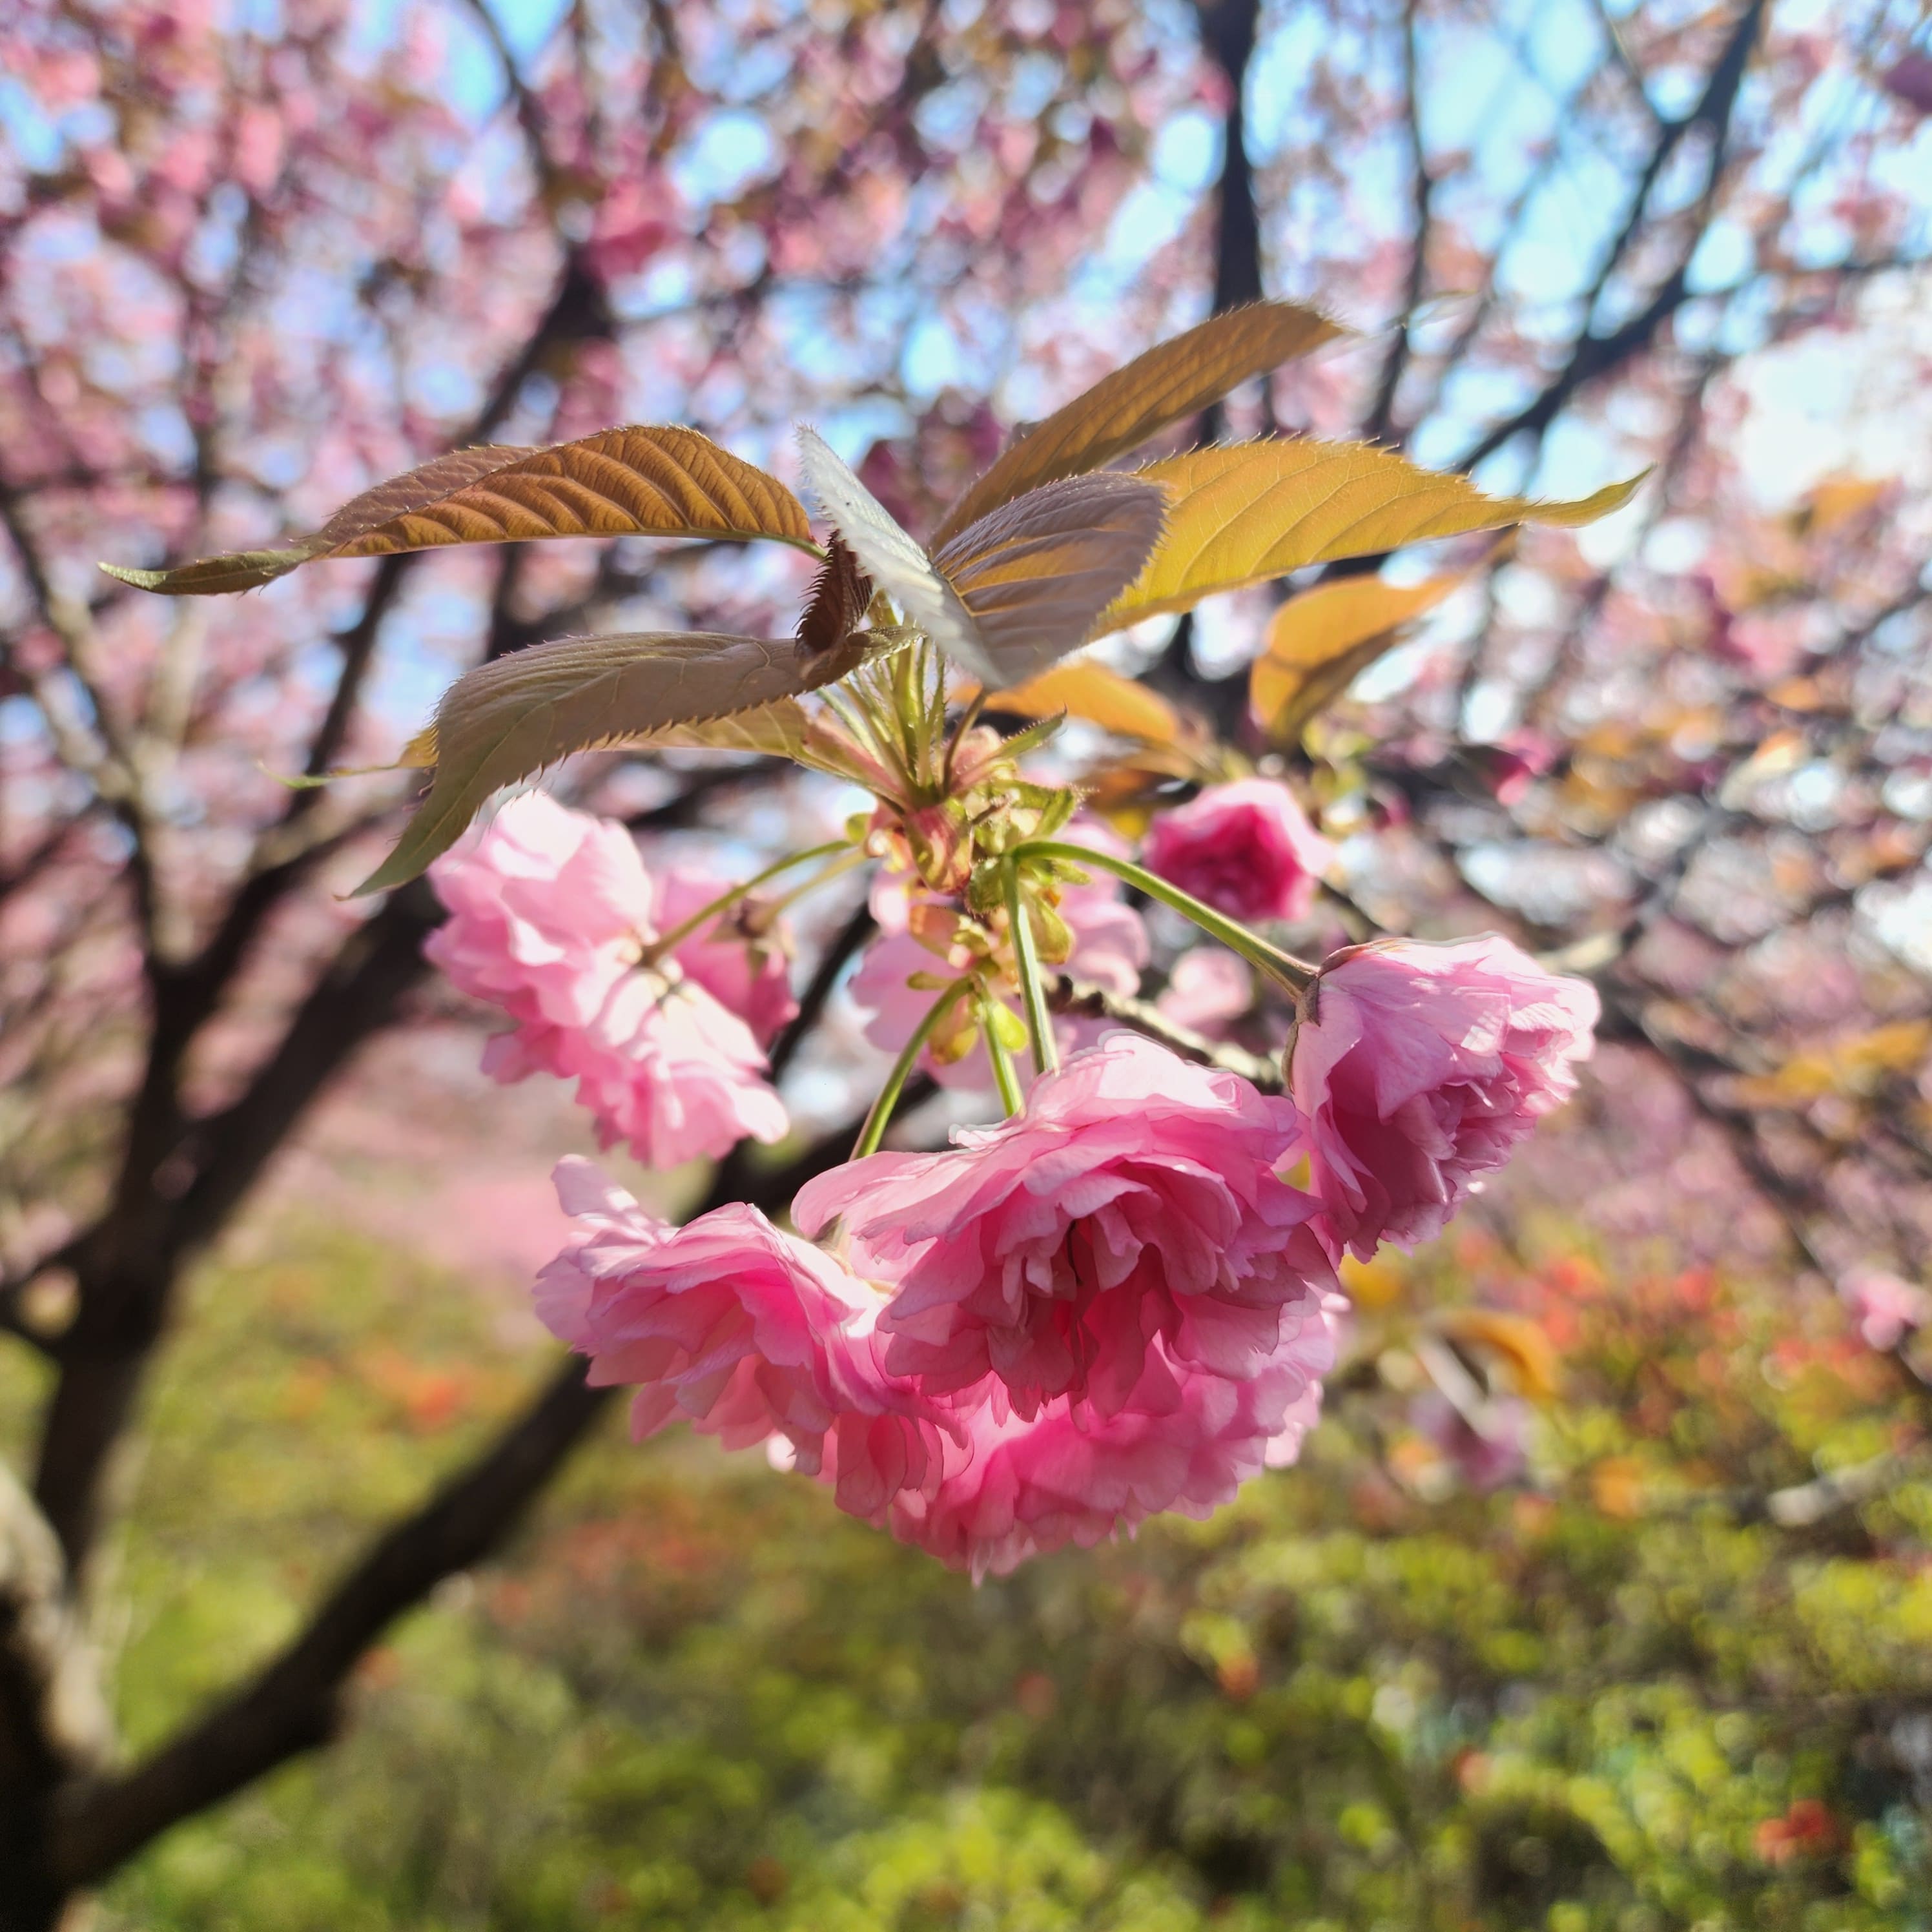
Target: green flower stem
pixel 1297 975
pixel 1026 960
pixel 855 856
pixel 666 942
pixel 880 1116
pixel 1011 1099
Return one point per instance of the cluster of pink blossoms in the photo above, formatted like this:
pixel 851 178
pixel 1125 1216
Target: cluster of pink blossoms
pixel 552 917
pixel 921 939
pixel 1121 1300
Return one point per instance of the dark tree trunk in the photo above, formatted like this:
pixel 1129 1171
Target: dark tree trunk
pixel 30 1901
pixel 53 1728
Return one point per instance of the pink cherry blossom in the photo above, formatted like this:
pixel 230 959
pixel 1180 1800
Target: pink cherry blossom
pixel 1284 1446
pixel 550 913
pixel 1110 939
pixel 747 972
pixel 664 1068
pixel 1244 848
pixel 549 909
pixel 915 942
pixel 1207 990
pixel 1514 763
pixel 1015 1488
pixel 743 1331
pixel 1133 1201
pixel 1418 1067
pixel 755 1336
pixel 1886 1308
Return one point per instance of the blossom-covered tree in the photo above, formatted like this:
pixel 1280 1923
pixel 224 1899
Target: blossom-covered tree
pixel 250 277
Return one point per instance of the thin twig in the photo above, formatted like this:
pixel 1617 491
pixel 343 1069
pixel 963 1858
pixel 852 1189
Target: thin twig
pixel 1077 997
pixel 1381 415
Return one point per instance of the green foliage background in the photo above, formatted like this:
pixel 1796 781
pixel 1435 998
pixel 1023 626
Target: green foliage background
pixel 696 1696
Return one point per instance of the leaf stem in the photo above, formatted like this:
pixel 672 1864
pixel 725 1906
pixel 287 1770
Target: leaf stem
pixel 666 942
pixel 880 1118
pixel 1026 962
pixel 1297 975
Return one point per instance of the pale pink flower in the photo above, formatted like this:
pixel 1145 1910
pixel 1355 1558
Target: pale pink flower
pixel 1014 1488
pixel 1420 1066
pixel 743 1331
pixel 1514 764
pixel 755 1337
pixel 549 909
pixel 1284 1446
pixel 1133 1201
pixel 1886 1308
pixel 747 972
pixel 550 913
pixel 664 1068
pixel 1206 992
pixel 916 942
pixel 1110 938
pixel 1245 848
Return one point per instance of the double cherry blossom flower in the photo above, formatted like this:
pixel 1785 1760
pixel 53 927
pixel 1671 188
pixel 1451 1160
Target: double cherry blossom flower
pixel 554 919
pixel 1110 1306
pixel 1120 1300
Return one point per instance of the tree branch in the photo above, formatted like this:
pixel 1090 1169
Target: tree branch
pixel 1381 414
pixel 179 1179
pixel 53 1724
pixel 1592 355
pixel 529 109
pixel 1228 27
pixel 294 1703
pixel 1620 59
pixel 824 981
pixel 1228 32
pixel 1074 996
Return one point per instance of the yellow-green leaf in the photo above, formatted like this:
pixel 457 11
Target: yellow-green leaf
pixel 1174 380
pixel 1102 696
pixel 508 719
pixel 633 481
pixel 1319 642
pixel 1255 510
pixel 1856 1068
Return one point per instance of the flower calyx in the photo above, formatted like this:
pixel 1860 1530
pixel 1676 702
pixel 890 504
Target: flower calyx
pixel 948 789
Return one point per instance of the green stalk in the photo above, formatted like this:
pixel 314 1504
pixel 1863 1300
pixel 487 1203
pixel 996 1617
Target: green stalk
pixel 666 942
pixel 968 718
pixel 855 856
pixel 1026 961
pixel 880 1118
pixel 1004 1076
pixel 1297 975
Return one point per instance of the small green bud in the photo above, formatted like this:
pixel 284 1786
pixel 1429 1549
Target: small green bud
pixel 1008 1028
